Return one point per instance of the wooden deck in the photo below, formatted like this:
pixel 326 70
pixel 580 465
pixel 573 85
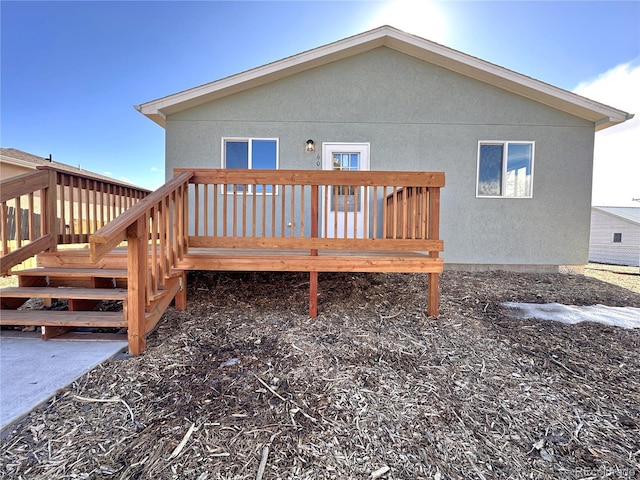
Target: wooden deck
pixel 303 261
pixel 274 260
pixel 239 220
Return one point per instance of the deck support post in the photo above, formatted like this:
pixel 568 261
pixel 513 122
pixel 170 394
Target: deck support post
pixel 181 296
pixel 313 276
pixel 137 253
pixel 313 294
pixel 433 233
pixel 432 295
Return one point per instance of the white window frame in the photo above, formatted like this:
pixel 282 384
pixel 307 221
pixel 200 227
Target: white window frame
pixel 505 144
pixel 249 141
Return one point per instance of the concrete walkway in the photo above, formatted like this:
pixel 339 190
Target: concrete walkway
pixel 33 370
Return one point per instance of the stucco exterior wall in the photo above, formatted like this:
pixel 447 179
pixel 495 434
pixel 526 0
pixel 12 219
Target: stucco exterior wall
pixel 8 170
pixel 417 116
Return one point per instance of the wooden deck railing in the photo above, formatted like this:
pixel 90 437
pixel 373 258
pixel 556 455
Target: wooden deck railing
pixel 156 234
pixel 413 213
pixel 296 209
pixel 87 204
pixel 59 207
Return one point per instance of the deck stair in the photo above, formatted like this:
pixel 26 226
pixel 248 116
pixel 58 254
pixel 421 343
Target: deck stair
pixel 82 288
pixel 93 240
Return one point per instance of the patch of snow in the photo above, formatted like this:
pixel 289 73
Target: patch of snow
pixel 625 317
pixel 230 363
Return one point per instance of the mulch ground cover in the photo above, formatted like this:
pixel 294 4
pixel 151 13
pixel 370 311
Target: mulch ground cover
pixel 244 385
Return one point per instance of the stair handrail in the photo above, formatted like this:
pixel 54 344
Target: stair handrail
pixel 56 205
pixel 12 190
pixel 156 224
pixel 111 235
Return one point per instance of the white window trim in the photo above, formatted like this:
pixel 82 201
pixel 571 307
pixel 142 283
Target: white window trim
pixel 250 159
pixel 364 148
pixel 504 166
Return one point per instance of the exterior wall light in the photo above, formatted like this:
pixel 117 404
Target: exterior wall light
pixel 310 146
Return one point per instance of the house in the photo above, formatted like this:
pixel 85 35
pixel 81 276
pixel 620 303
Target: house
pixel 517 152
pixel 16 162
pixel 615 235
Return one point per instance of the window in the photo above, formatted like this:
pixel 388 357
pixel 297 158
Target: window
pixel 617 238
pixel 346 162
pixel 250 153
pixel 505 169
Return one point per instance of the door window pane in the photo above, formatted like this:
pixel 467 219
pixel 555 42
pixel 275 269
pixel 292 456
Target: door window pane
pixel 345 162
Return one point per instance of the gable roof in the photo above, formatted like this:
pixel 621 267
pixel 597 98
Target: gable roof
pixel 629 214
pixel 601 115
pixel 28 160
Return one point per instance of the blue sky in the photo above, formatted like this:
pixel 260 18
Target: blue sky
pixel 72 71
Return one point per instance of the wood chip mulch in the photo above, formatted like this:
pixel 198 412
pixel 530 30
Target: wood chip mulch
pixel 244 385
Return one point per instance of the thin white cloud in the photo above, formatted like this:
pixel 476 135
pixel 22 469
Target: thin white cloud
pixel 154 169
pixel 616 171
pixel 108 174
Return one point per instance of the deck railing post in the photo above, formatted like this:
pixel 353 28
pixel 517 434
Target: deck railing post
pixel 137 253
pixel 50 215
pixel 185 219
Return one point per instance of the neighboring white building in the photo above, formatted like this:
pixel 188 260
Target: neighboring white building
pixel 615 235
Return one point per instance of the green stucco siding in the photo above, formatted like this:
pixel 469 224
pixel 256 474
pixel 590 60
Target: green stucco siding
pixel 418 116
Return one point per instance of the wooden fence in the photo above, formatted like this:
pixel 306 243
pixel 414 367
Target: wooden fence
pixel 23 221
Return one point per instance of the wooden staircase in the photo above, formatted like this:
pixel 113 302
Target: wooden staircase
pixel 133 239
pixel 83 288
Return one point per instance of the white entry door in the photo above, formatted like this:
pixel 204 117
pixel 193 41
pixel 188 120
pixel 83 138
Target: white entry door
pixel 344 200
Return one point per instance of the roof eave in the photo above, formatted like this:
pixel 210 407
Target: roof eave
pixel 18 162
pixel 619 217
pixel 607 122
pixel 151 112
